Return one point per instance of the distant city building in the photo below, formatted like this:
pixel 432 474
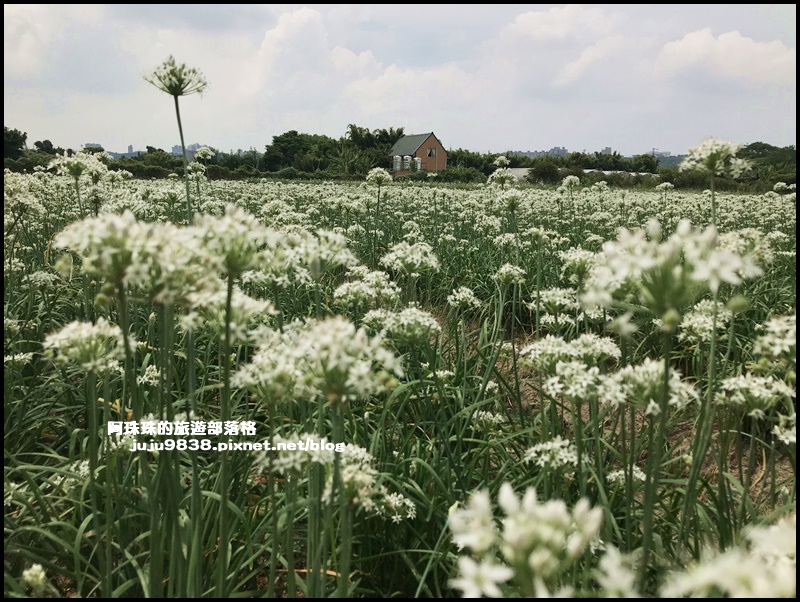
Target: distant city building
pixel 606 151
pixel 191 149
pixel 556 151
pixel 659 153
pixel 92 145
pixel 127 155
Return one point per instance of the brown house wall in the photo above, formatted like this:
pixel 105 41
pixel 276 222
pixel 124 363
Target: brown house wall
pixel 437 163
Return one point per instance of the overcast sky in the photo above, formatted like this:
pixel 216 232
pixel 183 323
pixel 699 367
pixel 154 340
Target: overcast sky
pixel 481 77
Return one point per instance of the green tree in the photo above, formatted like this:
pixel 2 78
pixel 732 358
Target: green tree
pixel 544 171
pixel 285 150
pixel 45 146
pixel 643 163
pixel 349 160
pixel 361 137
pixel 13 143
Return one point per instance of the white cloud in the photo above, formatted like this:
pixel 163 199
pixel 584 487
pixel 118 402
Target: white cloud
pixel 25 39
pixel 730 55
pixel 401 91
pixel 589 57
pixel 348 62
pixel 30 31
pixel 486 77
pixel 559 23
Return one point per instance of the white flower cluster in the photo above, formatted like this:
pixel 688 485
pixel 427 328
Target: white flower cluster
pixel 329 359
pixel 539 541
pixel 574 380
pixel 359 476
pixel 486 421
pixel 488 224
pixel 786 429
pixel 756 395
pixel 664 275
pixel 77 475
pixel 235 239
pixel 616 575
pixel 318 252
pixel 463 298
pixel 507 240
pixel 544 237
pixel 151 376
pixel 35 578
pixel 42 280
pixel 642 385
pixel 509 274
pixel 378 176
pixel 291 460
pixel 576 262
pixel 589 348
pixel 177 79
pixel 620 476
pixel 778 338
pixel 752 244
pixel 77 165
pixel 408 326
pixel 166 260
pixel 207 309
pixel 555 453
pixel 96 348
pixel 764 567
pixel 510 200
pixel 367 289
pixel 203 154
pixel 19 359
pixel 556 300
pixel 502 176
pixel 717 157
pixel 697 325
pixel 108 244
pixel 411 259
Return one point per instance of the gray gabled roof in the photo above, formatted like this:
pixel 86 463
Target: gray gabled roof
pixel 408 145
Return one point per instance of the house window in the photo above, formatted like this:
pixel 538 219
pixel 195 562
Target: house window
pixel 431 152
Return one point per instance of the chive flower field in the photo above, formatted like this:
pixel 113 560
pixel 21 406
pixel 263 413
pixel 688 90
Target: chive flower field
pixel 496 390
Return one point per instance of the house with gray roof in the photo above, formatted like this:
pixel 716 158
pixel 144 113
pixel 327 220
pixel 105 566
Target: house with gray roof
pixel 418 152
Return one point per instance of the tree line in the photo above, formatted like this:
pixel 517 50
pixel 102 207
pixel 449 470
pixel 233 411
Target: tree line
pixel 296 155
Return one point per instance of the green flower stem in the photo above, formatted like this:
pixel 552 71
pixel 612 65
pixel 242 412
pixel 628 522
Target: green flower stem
pixel 194 569
pixel 518 395
pixel 94 436
pixel 656 437
pixel 78 193
pixel 345 508
pixel 315 533
pixel 225 413
pixel 185 163
pixel 705 426
pixel 291 499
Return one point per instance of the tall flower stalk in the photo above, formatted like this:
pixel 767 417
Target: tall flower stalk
pixel 179 80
